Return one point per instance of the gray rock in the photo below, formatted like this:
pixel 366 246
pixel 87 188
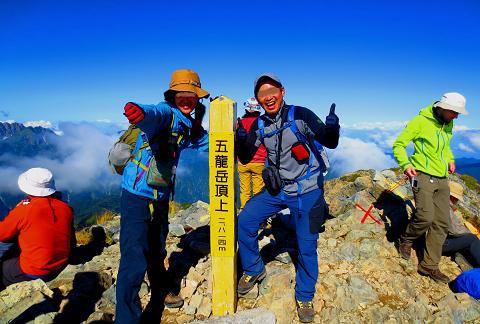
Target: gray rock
pixel 108 301
pixel 276 279
pixel 176 229
pixel 283 258
pixel 196 301
pixel 357 235
pixel 193 217
pixel 19 297
pixel 205 308
pixel 65 278
pixel 369 248
pixel 378 176
pixel 45 318
pixel 362 183
pixel 250 316
pixel 360 291
pixel 100 316
pixel 467 311
pixel 348 252
pixel 389 174
pixel 190 310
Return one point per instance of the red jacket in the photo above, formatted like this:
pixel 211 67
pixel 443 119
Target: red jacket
pixel 261 153
pixel 43 226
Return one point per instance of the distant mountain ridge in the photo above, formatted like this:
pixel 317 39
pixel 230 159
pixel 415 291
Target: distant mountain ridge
pixel 18 139
pixel 20 143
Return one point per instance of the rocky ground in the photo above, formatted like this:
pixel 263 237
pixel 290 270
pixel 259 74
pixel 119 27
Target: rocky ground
pixel 362 279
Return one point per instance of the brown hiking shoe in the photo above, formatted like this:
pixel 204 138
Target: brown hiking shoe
pixel 405 248
pixel 435 274
pixel 305 311
pixel 173 301
pixel 246 282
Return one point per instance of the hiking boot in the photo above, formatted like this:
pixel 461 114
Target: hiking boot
pixel 305 311
pixel 404 249
pixel 435 274
pixel 173 301
pixel 247 282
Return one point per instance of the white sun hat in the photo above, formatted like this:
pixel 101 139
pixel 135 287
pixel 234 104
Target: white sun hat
pixel 251 105
pixel 453 101
pixel 37 182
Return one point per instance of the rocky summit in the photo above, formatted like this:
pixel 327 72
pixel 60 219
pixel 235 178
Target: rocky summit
pixel 362 279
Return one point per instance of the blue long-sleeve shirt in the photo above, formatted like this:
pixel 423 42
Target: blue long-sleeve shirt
pixel 157 128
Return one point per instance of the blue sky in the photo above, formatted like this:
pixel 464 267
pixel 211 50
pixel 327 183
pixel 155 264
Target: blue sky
pixel 378 60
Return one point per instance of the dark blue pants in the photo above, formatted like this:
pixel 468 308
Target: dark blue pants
pixel 467 244
pixel 142 249
pixel 301 220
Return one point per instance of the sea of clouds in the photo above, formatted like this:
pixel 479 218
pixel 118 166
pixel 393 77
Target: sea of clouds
pixel 81 150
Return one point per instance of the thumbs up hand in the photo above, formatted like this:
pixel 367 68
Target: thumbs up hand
pixel 332 119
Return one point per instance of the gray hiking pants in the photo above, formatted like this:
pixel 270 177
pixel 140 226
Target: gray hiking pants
pixel 431 218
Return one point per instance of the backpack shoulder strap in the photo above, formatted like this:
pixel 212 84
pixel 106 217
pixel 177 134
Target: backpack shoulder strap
pixel 261 129
pixel 293 125
pixel 314 145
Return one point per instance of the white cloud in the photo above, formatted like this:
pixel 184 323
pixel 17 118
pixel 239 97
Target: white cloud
pixel 465 148
pixel 390 125
pixel 81 162
pixel 354 154
pixel 38 123
pixel 475 140
pixel 461 128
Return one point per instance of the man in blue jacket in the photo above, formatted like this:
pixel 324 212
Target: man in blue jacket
pixel 293 179
pixel 166 129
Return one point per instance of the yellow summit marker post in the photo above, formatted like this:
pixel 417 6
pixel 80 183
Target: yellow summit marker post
pixel 222 205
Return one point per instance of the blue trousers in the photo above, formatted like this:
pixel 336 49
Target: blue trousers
pixel 467 244
pixel 142 249
pixel 304 216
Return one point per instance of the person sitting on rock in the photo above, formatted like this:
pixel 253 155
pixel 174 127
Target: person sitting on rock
pixel 41 227
pixel 460 239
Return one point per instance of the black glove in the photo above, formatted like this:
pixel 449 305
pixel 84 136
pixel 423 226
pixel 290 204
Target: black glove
pixel 241 133
pixel 332 119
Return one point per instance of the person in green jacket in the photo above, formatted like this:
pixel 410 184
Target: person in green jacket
pixel 427 168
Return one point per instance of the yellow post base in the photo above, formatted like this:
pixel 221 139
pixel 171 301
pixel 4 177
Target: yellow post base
pixel 224 289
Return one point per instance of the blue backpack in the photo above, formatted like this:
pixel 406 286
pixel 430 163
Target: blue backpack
pixel 318 150
pixel 468 282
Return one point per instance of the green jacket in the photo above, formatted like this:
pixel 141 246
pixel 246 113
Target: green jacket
pixel 431 141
